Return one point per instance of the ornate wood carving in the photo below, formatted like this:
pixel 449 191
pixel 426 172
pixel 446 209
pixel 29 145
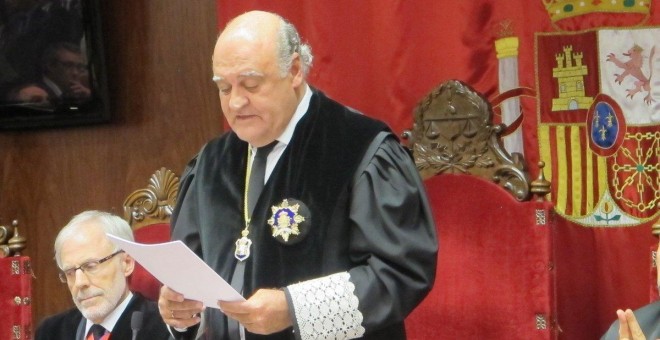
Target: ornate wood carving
pixel 453 133
pixel 155 203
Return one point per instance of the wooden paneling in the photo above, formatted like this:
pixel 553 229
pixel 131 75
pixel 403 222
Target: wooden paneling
pixel 164 108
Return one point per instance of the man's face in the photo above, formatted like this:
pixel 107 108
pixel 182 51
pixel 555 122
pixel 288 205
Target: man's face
pixel 257 100
pixel 96 293
pixel 69 68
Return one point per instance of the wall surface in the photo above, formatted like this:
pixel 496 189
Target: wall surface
pixel 164 107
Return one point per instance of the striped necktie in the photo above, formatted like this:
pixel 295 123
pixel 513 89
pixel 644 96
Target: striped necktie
pixel 96 332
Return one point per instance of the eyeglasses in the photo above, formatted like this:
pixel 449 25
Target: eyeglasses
pixel 70 65
pixel 89 267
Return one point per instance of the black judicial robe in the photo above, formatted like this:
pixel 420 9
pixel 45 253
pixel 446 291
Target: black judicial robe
pixel 364 207
pixel 70 324
pixel 648 318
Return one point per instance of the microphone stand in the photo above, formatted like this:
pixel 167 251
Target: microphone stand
pixel 136 323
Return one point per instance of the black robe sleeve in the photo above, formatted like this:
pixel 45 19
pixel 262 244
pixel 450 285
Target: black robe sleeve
pixel 393 229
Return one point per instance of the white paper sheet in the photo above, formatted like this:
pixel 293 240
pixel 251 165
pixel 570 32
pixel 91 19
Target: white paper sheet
pixel 177 267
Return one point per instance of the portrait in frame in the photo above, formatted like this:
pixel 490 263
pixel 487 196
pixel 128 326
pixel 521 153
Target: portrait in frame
pixel 52 67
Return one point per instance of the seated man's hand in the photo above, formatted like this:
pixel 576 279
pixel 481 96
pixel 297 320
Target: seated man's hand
pixel 177 311
pixel 78 91
pixel 265 312
pixel 628 326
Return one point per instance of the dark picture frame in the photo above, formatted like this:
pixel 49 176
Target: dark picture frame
pixel 52 65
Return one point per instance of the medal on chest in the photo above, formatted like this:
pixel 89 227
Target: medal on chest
pixel 290 219
pixel 286 220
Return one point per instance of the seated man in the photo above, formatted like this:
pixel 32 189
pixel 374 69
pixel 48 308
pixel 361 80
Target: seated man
pixel 642 324
pixel 96 273
pixel 65 74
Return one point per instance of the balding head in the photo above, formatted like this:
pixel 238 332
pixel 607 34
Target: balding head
pixel 273 32
pixel 253 30
pixel 253 25
pixel 259 67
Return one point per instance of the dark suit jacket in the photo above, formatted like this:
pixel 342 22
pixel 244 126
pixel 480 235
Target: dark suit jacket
pixel 69 325
pixel 648 318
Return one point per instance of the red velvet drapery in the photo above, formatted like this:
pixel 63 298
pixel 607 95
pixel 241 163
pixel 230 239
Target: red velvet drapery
pixel 382 57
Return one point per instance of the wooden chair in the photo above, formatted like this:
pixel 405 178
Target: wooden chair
pixel 15 285
pixel 492 279
pixel 148 211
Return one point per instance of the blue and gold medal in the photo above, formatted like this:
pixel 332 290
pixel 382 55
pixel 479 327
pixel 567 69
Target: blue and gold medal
pixel 287 221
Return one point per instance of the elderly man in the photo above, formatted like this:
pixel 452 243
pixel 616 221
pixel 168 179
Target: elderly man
pixel 340 242
pixel 641 324
pixel 96 273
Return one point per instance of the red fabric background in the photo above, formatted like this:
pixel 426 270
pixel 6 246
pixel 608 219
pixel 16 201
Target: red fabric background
pixel 141 280
pixel 382 57
pixel 14 285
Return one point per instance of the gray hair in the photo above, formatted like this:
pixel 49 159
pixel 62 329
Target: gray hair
pixel 288 42
pixel 111 224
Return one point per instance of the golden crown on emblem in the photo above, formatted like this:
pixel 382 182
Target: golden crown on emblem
pixel 562 9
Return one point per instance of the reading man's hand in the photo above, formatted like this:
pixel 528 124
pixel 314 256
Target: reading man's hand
pixel 176 311
pixel 265 312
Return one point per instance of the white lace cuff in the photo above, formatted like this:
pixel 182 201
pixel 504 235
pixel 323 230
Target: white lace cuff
pixel 326 308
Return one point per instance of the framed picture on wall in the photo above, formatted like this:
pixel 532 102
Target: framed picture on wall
pixel 52 68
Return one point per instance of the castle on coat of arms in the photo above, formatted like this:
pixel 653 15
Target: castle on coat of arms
pixel 570 73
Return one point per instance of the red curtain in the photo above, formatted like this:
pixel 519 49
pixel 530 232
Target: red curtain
pixel 382 57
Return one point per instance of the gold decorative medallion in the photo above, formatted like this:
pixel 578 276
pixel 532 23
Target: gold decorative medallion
pixel 286 220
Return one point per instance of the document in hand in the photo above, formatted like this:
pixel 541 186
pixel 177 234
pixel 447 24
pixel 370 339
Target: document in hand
pixel 177 267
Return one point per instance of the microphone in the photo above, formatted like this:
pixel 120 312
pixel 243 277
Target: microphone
pixel 136 323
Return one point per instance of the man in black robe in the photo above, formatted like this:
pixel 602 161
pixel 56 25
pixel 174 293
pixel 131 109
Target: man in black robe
pixel 339 244
pixel 96 273
pixel 643 323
